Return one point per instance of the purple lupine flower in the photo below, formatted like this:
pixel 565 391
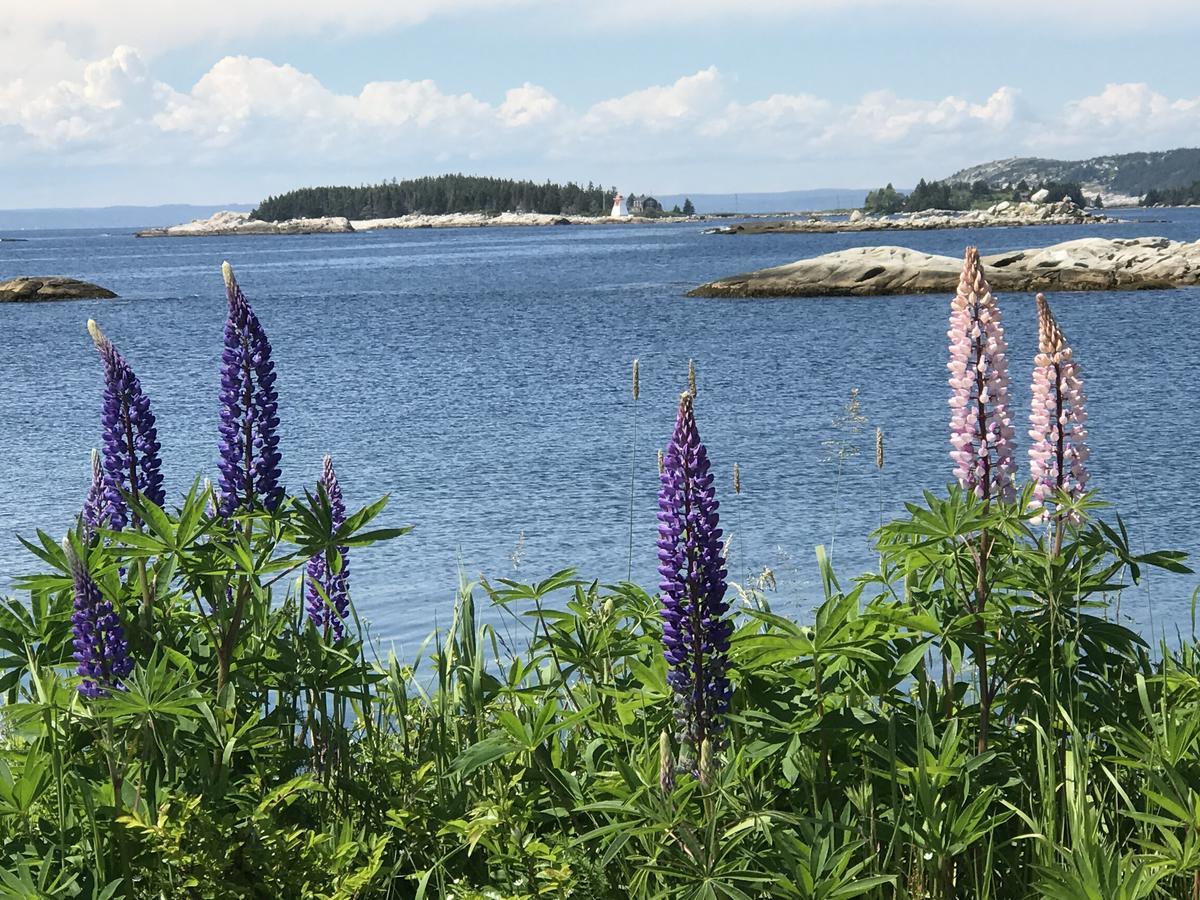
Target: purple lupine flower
pixel 95 513
pixel 981 428
pixel 130 454
pixel 249 447
pixel 99 639
pixel 1058 415
pixel 695 631
pixel 332 608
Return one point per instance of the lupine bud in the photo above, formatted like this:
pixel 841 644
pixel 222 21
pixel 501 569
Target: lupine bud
pixel 696 632
pixel 878 448
pixel 981 429
pixel 737 478
pixel 660 462
pixel 636 381
pixel 706 763
pixel 666 764
pixel 130 457
pixel 335 585
pixel 95 513
pixel 1057 416
pixel 249 446
pixel 692 378
pixel 99 639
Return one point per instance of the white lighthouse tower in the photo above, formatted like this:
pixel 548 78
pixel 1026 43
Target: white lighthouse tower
pixel 618 210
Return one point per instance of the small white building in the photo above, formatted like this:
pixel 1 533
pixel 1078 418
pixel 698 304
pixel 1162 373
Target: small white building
pixel 618 209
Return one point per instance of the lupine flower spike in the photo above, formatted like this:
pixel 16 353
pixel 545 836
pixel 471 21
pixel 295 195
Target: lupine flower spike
pixel 249 447
pixel 637 381
pixel 332 608
pixel 95 513
pixel 1058 415
pixel 99 639
pixel 695 630
pixel 981 429
pixel 130 456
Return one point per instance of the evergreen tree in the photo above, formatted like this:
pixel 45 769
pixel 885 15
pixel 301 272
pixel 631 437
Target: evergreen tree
pixel 688 208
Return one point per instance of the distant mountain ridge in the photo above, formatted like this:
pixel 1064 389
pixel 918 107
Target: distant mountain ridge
pixel 1120 177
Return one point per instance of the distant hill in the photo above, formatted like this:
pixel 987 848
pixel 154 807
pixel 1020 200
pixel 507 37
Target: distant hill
pixel 110 216
pixel 780 201
pixel 1119 178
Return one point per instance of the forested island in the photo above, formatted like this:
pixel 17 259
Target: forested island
pixel 979 194
pixel 437 195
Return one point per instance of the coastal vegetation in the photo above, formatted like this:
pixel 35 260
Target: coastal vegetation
pixel 1180 196
pixel 437 195
pixel 957 196
pixel 192 708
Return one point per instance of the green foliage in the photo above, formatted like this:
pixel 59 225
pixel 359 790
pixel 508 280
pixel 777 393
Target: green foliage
pixel 1179 196
pixel 437 195
pixel 959 196
pixel 247 756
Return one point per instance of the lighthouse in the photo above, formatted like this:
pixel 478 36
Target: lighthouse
pixel 618 210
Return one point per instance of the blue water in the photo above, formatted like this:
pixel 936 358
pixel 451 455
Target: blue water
pixel 482 379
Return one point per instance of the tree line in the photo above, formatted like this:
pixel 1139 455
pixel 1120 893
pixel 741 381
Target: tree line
pixel 440 194
pixel 1180 196
pixel 960 196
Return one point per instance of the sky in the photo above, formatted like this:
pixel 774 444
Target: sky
pixel 174 101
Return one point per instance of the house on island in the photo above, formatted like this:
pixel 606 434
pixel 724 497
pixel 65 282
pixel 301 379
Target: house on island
pixel 643 205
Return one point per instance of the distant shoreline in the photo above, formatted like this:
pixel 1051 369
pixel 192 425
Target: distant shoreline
pixel 227 223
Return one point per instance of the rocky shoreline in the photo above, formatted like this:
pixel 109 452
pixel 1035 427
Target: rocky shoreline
pixel 1001 215
pixel 239 223
pixel 1087 264
pixel 40 289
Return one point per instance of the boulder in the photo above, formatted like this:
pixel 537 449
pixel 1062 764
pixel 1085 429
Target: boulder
pixel 1040 196
pixel 1087 264
pixel 38 289
pixel 856 216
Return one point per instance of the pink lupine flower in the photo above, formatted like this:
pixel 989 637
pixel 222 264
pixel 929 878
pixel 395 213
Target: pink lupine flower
pixel 1057 416
pixel 981 429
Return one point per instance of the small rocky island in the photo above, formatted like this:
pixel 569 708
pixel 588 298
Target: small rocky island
pixel 1006 214
pixel 40 289
pixel 1087 264
pixel 235 223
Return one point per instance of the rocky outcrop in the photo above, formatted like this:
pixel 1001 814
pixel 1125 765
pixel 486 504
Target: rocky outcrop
pixel 233 223
pixel 50 287
pixel 1087 264
pixel 1006 214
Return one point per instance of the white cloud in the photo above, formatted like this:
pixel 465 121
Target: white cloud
pixel 252 114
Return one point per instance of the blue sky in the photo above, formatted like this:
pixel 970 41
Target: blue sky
pixel 144 102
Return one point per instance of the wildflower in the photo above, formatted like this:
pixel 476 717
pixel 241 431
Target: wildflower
pixel 637 386
pixel 878 448
pixel 1057 416
pixel 737 478
pixel 328 597
pixel 130 457
pixel 695 631
pixel 981 429
pixel 99 639
pixel 692 378
pixel 249 447
pixel 95 513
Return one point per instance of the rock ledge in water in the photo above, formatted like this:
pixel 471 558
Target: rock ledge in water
pixel 1087 264
pixel 38 289
pixel 1005 214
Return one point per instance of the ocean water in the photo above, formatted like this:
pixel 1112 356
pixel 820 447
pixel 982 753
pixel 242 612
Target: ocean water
pixel 481 378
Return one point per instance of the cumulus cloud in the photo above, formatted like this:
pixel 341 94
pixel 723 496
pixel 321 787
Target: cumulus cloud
pixel 249 113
